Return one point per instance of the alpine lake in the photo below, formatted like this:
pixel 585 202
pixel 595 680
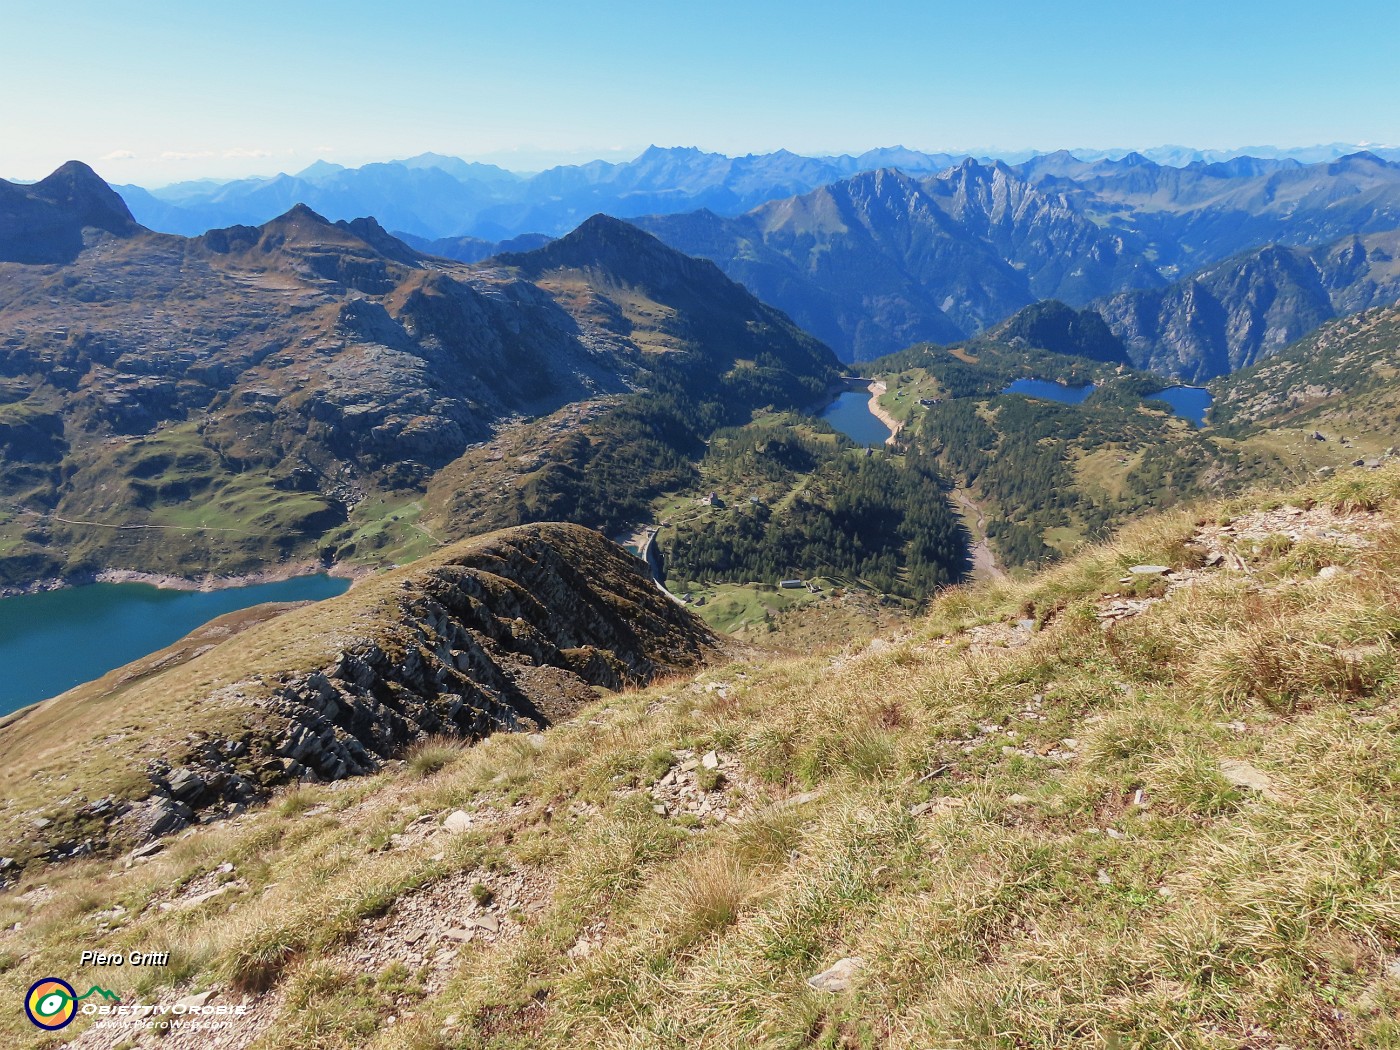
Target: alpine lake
pixel 850 413
pixel 54 640
pixel 1189 402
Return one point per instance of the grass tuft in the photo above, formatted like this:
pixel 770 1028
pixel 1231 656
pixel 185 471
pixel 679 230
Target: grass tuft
pixel 433 754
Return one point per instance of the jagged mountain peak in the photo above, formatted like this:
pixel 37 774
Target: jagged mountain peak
pixel 297 215
pixel 358 253
pixel 670 301
pixel 381 240
pixel 653 151
pixel 973 176
pixel 301 226
pixel 882 184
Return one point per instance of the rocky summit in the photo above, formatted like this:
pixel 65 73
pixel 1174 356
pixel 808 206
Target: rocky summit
pixel 54 219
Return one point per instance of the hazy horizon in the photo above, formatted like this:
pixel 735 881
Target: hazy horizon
pixel 169 92
pixel 545 160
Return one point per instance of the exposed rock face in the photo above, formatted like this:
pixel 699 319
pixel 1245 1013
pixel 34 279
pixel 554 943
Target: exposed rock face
pixel 510 637
pixel 1333 381
pixel 1246 309
pixel 510 632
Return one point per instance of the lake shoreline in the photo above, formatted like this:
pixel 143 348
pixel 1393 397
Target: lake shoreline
pixel 875 388
pixel 210 582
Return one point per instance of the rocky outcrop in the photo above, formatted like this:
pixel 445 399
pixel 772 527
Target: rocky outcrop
pixel 509 633
pixel 1061 329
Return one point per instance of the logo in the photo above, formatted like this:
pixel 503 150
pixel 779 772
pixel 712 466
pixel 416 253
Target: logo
pixel 52 1004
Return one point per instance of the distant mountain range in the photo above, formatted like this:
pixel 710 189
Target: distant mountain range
pixel 922 247
pixel 874 252
pixel 433 196
pixel 884 259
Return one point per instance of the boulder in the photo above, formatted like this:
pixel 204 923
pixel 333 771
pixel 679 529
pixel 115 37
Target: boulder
pixel 458 821
pixel 839 976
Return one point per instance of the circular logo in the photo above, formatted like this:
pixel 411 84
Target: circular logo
pixel 51 1004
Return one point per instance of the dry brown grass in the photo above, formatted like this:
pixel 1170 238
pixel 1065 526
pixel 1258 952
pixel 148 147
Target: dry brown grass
pixel 1081 871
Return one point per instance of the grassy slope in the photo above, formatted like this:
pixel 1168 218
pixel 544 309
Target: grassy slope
pixel 1339 381
pixel 1031 838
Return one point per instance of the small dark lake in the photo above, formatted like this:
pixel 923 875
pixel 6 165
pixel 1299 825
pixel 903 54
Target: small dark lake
pixel 1050 391
pixel 1187 402
pixel 53 641
pixel 850 413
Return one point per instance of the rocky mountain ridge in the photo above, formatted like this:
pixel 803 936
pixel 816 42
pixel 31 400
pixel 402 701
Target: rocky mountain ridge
pixel 878 261
pixel 433 197
pixel 512 631
pixel 938 248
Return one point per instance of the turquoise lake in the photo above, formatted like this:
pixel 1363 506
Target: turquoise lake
pixel 850 413
pixel 53 641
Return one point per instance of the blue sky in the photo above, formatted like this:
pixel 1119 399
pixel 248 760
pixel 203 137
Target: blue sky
pixel 153 92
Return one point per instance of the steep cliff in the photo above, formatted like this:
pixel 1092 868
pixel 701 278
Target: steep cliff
pixel 1248 308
